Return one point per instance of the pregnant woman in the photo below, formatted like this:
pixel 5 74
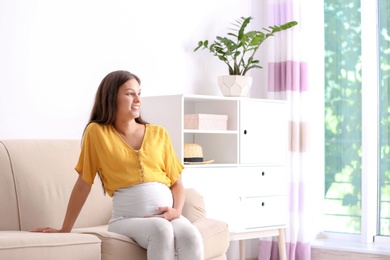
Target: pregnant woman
pixel 139 169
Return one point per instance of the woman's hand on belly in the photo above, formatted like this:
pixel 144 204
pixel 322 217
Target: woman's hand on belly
pixel 168 213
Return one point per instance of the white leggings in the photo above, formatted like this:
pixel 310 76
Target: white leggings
pixel 162 239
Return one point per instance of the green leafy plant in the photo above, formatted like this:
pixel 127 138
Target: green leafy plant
pixel 238 51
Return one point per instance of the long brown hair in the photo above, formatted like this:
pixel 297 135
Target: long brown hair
pixel 104 109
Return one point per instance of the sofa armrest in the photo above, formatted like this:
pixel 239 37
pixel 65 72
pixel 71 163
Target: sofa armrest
pixel 194 207
pixel 215 235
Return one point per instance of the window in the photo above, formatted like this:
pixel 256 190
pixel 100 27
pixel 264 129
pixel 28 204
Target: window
pixel 357 118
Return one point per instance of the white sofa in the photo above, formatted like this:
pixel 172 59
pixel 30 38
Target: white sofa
pixel 36 179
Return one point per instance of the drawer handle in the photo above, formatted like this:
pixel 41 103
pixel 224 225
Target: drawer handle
pixel 245 132
pixel 262 204
pixel 262 173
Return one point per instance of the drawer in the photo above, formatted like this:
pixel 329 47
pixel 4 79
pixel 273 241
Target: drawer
pixel 262 181
pixel 243 197
pixel 259 212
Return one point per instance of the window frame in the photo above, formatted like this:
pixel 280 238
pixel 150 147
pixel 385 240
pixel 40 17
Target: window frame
pixel 370 120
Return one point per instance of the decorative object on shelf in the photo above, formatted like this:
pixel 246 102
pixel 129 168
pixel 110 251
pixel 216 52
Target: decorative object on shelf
pixel 205 122
pixel 238 53
pixel 193 154
pixel 234 85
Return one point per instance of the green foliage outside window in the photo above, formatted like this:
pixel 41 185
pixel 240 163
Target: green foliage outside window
pixel 342 116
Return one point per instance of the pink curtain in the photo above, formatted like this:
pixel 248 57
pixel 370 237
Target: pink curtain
pixel 288 80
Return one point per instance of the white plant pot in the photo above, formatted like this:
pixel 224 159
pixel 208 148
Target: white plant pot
pixel 234 86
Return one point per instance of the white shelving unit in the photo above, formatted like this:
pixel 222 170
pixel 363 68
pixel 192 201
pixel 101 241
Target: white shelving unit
pixel 246 184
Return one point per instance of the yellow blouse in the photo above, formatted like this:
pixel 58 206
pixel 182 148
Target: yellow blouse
pixel 105 152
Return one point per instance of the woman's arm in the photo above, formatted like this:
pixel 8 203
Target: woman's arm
pixel 77 199
pixel 178 195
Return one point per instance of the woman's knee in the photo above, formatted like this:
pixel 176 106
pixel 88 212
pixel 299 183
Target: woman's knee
pixel 191 237
pixel 162 230
pixel 188 235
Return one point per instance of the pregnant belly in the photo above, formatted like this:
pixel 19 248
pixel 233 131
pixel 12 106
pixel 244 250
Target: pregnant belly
pixel 141 200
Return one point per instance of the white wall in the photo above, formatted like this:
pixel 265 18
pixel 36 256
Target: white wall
pixel 55 53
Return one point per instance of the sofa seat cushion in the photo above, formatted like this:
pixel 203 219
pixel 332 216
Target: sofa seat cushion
pixel 115 246
pixel 60 246
pixel 215 236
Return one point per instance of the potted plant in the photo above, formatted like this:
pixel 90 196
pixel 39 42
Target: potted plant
pixel 237 52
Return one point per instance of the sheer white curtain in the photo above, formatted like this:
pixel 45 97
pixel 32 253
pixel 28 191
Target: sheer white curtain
pixel 288 80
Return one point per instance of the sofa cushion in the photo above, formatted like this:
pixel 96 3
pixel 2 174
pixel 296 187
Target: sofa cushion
pixel 44 175
pixel 60 246
pixel 115 246
pixel 214 233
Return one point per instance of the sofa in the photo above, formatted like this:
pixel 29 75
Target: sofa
pixel 36 179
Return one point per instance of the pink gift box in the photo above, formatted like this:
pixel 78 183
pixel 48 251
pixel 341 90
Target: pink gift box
pixel 205 122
